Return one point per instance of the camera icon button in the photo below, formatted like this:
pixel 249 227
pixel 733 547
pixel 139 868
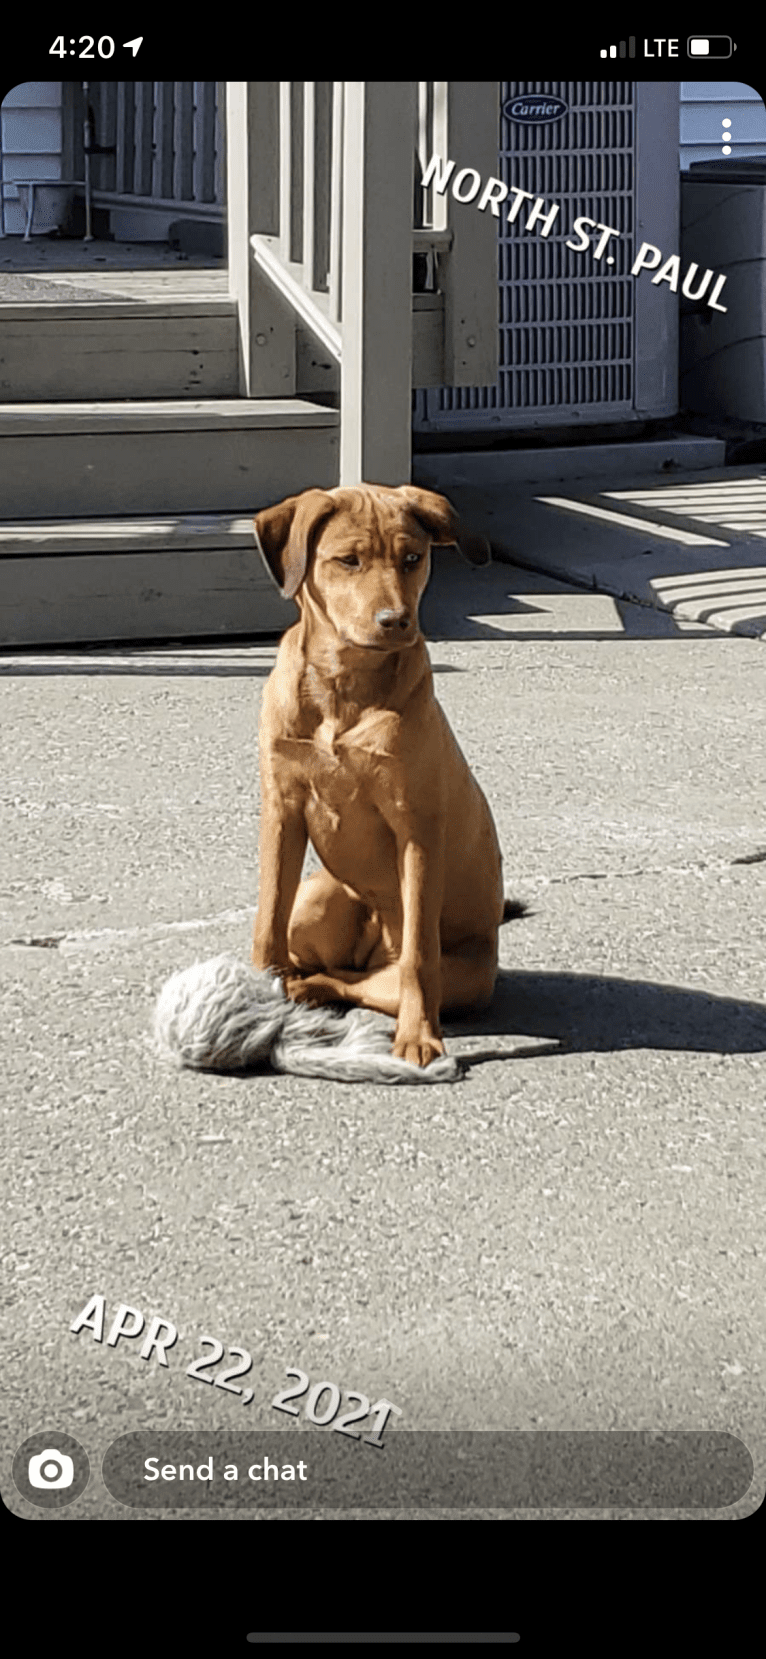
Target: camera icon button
pixel 51 1470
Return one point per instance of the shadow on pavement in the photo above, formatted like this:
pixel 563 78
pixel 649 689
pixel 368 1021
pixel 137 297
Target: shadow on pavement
pixel 585 1014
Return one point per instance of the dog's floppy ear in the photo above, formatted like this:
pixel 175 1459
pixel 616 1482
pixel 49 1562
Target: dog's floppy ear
pixel 284 536
pixel 438 516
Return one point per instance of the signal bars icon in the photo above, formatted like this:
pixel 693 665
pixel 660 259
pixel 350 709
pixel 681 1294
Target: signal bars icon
pixel 621 51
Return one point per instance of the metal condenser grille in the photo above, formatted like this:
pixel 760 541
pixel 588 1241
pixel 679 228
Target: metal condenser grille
pixel 566 321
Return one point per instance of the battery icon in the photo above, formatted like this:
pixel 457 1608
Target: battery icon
pixel 710 46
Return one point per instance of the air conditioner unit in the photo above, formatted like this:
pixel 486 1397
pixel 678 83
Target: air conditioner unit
pixel 580 339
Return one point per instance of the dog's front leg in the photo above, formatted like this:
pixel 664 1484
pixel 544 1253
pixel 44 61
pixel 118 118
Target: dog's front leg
pixel 283 848
pixel 418 1032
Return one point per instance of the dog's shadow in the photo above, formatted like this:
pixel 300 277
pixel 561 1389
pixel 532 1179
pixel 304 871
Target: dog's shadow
pixel 582 1013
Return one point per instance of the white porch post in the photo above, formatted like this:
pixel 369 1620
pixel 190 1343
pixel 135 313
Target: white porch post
pixel 471 287
pixel 266 324
pixel 376 368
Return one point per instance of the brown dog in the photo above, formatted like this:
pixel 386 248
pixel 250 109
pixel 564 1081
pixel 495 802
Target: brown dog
pixel 357 755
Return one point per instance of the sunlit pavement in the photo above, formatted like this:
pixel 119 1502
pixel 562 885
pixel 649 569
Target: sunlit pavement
pixel 694 546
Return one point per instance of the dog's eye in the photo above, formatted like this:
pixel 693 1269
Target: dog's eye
pixel 411 560
pixel 351 562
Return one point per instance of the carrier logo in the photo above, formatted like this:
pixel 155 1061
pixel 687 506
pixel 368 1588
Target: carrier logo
pixel 534 112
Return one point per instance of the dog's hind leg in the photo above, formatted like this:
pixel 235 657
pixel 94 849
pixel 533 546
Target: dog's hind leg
pixel 329 928
pixel 467 982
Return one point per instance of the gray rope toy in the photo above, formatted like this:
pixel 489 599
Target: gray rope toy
pixel 222 1015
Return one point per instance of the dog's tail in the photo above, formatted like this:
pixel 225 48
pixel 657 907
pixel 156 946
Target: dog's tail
pixel 512 909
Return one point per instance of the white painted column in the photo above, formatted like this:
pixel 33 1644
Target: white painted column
pixel 376 368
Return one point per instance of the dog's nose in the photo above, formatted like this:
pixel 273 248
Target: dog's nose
pixel 393 619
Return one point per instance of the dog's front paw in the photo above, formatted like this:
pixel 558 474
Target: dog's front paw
pixel 419 1049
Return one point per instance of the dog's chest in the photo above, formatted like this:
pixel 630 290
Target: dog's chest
pixel 335 767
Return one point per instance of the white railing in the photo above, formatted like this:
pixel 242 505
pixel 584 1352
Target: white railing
pixel 160 144
pixel 323 223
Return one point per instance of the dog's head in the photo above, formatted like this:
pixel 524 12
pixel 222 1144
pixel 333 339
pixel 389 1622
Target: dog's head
pixel 362 556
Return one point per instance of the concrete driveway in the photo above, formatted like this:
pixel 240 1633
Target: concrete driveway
pixel 569 1239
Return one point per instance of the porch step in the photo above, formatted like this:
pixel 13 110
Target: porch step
pixel 134 520
pixel 92 460
pixel 166 577
pixel 158 342
pixel 138 334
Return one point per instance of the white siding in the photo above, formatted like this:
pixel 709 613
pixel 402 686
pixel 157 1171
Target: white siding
pixel 704 107
pixel 31 142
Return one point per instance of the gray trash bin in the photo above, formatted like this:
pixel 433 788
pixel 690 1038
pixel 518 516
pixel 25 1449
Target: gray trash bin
pixel 723 228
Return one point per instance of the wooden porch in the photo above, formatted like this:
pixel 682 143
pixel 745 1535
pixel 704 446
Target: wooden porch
pixel 148 413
